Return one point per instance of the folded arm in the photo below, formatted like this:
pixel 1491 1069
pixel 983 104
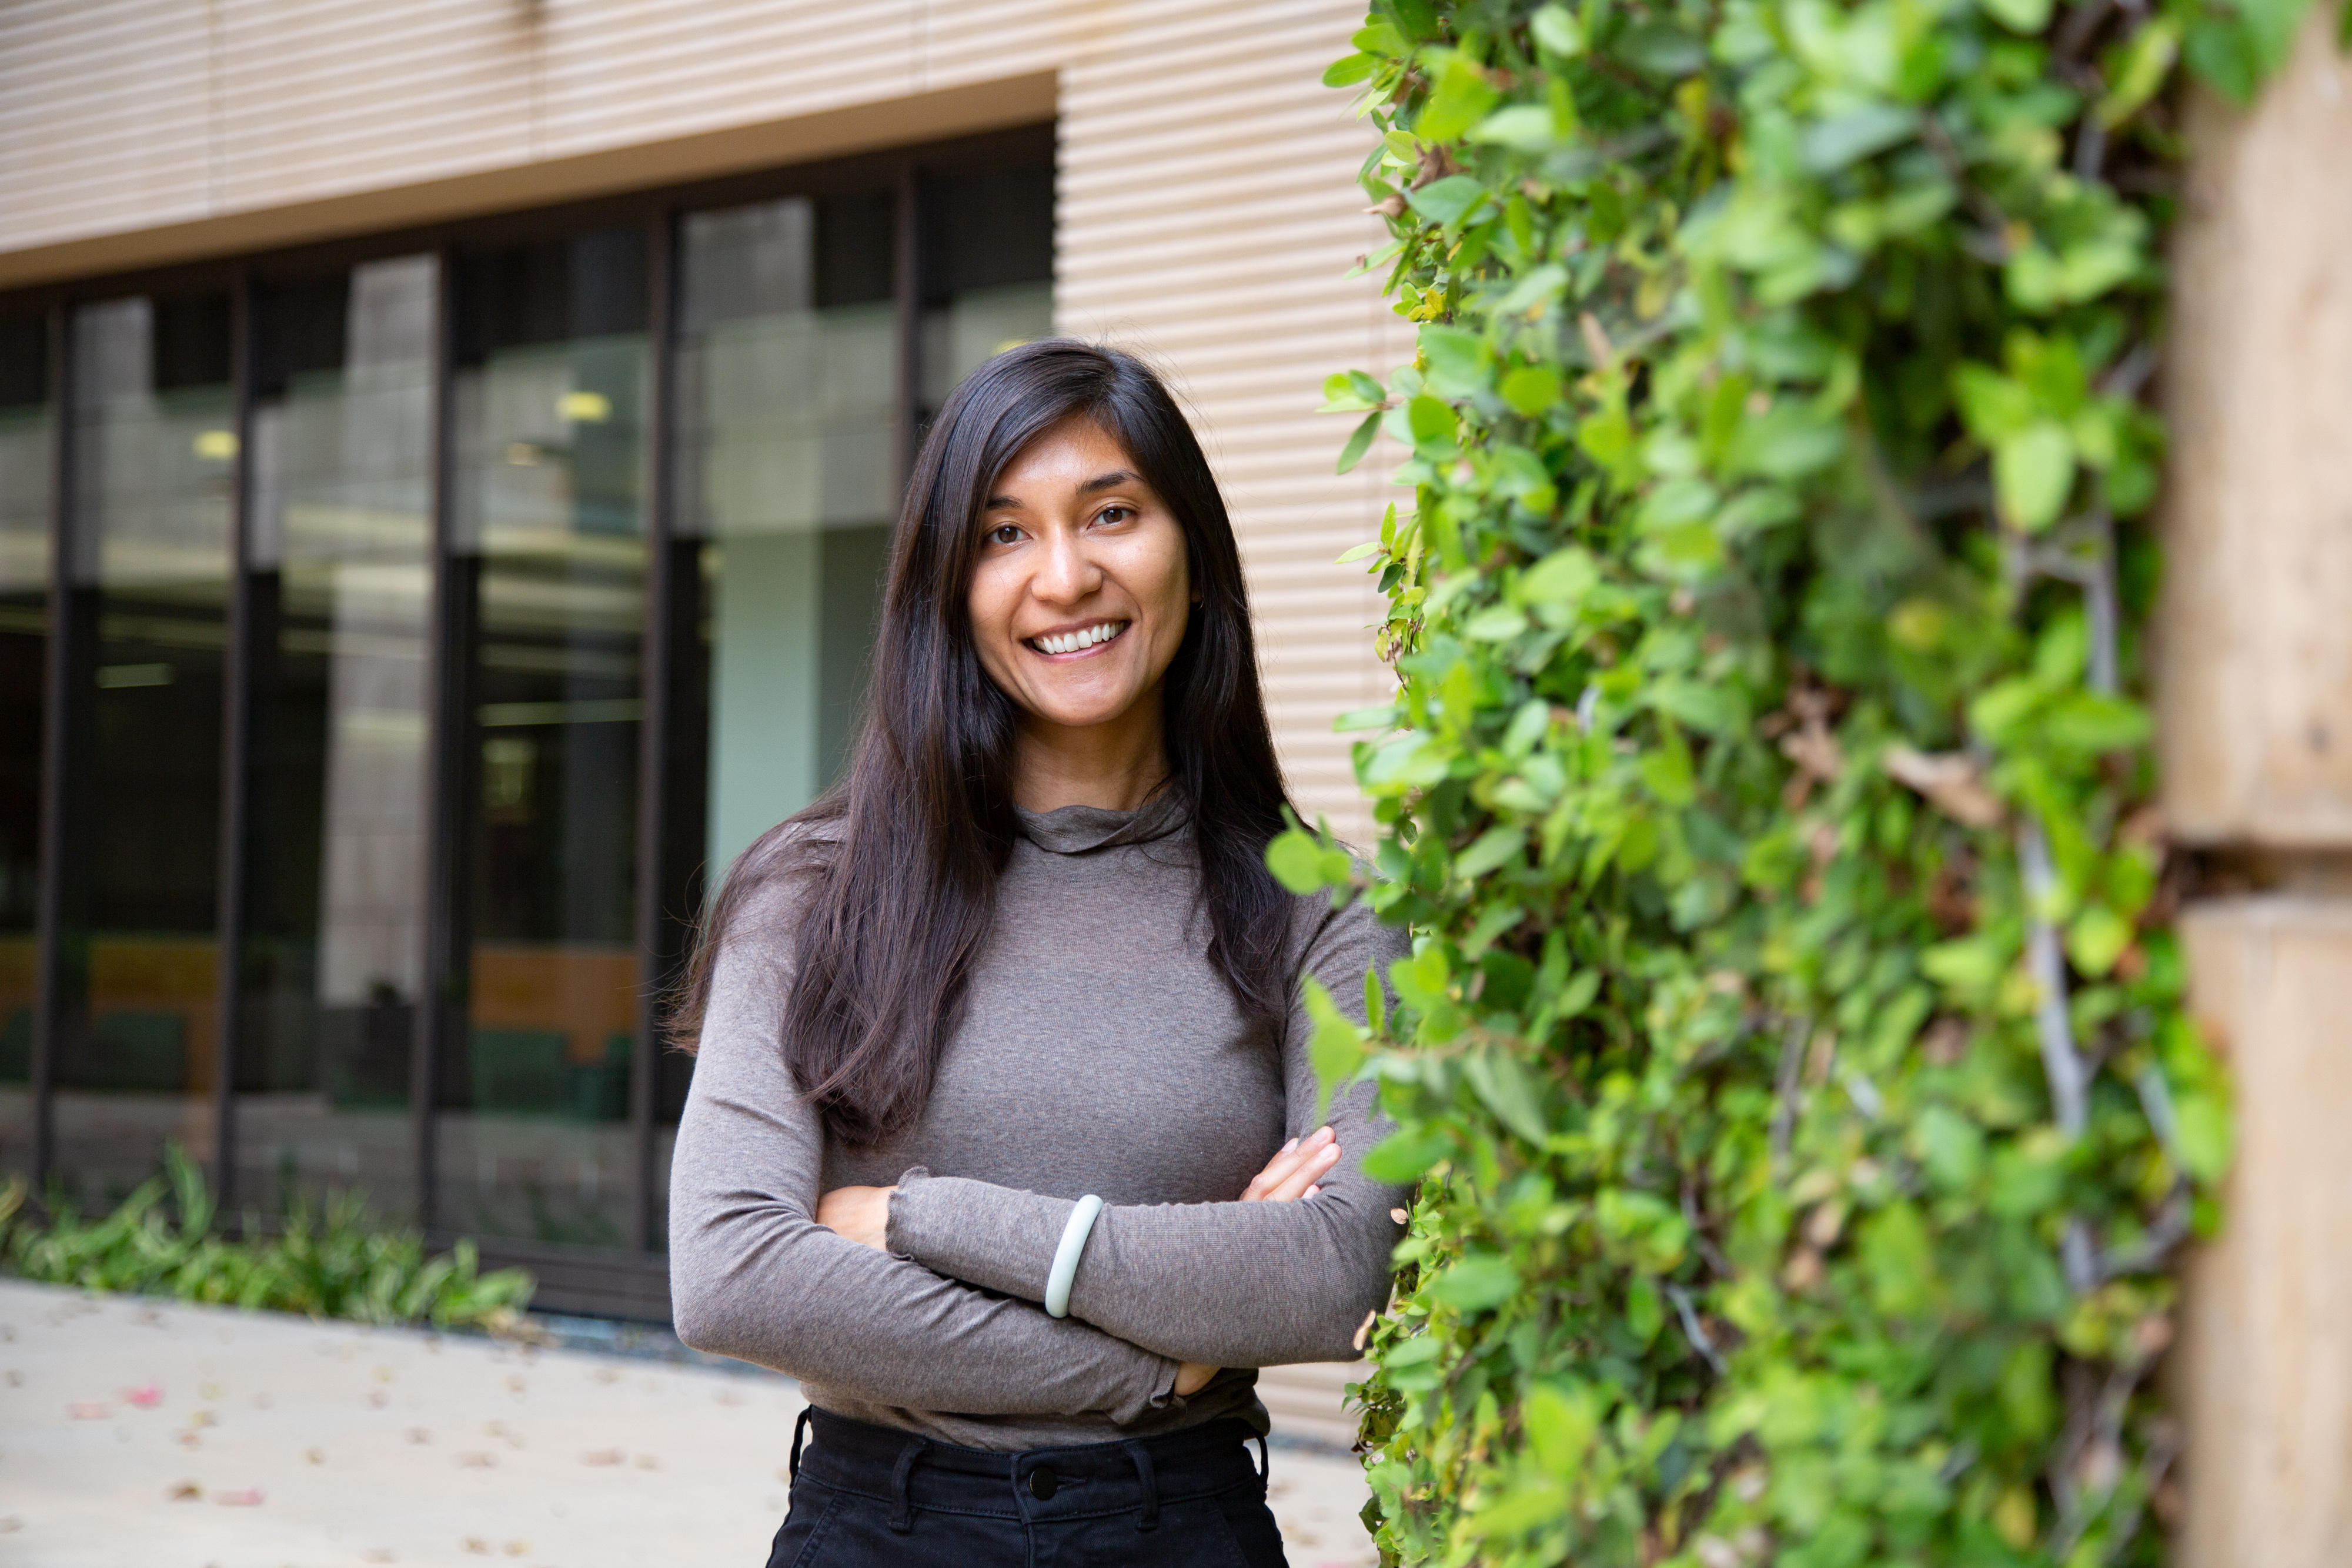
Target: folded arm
pixel 1229 1284
pixel 754 1276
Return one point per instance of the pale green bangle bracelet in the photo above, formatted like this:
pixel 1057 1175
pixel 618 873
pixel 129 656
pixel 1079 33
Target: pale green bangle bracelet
pixel 1065 1257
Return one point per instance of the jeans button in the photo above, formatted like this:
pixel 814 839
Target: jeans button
pixel 1043 1482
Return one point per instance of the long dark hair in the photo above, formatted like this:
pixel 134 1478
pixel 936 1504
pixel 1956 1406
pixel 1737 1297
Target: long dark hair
pixel 900 859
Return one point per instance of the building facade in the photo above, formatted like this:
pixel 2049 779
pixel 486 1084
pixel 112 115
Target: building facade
pixel 447 451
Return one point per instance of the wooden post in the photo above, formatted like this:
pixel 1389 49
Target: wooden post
pixel 2254 703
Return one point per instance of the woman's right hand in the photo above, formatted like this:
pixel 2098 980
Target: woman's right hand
pixel 1296 1172
pixel 1297 1169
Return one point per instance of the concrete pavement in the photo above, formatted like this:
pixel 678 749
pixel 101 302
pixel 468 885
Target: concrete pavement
pixel 142 1432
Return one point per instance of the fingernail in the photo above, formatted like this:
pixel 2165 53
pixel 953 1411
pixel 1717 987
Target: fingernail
pixel 1290 1145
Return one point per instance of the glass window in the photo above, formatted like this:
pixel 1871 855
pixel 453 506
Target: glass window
pixel 550 390
pixel 154 453
pixel 340 551
pixel 987 267
pixel 26 447
pixel 788 426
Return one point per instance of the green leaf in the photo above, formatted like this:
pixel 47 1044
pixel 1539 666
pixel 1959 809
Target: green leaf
pixel 1660 49
pixel 1899 1256
pixel 2027 16
pixel 1301 864
pixel 1459 362
pixel 1444 200
pixel 2202 1127
pixel 2137 67
pixel 1528 127
pixel 1436 432
pixel 1562 1419
pixel 1531 389
pixel 1829 145
pixel 1646 1314
pixel 1460 100
pixel 1360 442
pixel 1494 846
pixel 1993 407
pixel 1348 392
pixel 1349 70
pixel 2034 473
pixel 1503 1083
pixel 1403 1158
pixel 1563 577
pixel 2096 938
pixel 1476 1283
pixel 1556 28
pixel 1336 1046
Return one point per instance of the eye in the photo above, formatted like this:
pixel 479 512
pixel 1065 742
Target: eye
pixel 1004 534
pixel 1114 515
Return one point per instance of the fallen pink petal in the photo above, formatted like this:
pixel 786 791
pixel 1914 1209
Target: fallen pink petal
pixel 250 1497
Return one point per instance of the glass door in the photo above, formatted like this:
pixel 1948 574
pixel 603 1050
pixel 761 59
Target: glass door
pixel 339 560
pixel 27 437
pixel 550 561
pixel 154 450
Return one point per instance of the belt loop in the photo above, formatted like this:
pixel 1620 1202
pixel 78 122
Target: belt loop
pixel 902 1510
pixel 1144 1477
pixel 800 1431
pixel 1264 1461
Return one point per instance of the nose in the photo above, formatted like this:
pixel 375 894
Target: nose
pixel 1065 576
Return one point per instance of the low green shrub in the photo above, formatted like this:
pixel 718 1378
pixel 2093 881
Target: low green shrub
pixel 1792 1056
pixel 330 1264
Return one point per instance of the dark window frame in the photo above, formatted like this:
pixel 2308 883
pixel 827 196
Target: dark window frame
pixel 629 1281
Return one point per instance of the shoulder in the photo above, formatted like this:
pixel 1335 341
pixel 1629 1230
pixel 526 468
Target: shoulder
pixel 1350 937
pixel 769 885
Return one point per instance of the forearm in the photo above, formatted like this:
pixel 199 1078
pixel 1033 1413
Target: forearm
pixel 1231 1284
pixel 775 1289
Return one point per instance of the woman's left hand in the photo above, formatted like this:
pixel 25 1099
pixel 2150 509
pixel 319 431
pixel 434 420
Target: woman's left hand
pixel 860 1213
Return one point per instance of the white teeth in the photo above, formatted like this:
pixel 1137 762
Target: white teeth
pixel 1073 642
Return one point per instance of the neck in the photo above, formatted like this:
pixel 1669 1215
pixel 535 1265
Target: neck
pixel 1115 765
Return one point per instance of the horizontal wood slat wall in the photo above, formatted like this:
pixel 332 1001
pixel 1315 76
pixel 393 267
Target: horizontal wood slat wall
pixel 1209 216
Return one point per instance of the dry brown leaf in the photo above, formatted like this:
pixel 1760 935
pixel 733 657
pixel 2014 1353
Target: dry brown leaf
pixel 1950 780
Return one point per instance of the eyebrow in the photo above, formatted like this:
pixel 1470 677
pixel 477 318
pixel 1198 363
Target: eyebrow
pixel 1111 481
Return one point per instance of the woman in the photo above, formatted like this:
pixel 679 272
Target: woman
pixel 1028 954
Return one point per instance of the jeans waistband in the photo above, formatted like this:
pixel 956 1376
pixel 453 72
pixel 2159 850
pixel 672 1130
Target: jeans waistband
pixel 1080 1481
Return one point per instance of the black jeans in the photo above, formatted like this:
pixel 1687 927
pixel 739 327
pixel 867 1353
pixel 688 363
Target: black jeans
pixel 870 1495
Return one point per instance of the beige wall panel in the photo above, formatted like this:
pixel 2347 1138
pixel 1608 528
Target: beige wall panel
pixel 322 97
pixel 2255 686
pixel 1209 216
pixel 983 40
pixel 2264 1365
pixel 103 113
pixel 613 66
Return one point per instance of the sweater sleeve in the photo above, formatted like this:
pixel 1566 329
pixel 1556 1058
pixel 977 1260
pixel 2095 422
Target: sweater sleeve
pixel 753 1276
pixel 1229 1284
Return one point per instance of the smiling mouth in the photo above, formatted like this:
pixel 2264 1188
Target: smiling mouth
pixel 1079 641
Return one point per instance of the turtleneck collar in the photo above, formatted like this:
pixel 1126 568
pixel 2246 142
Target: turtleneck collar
pixel 1076 830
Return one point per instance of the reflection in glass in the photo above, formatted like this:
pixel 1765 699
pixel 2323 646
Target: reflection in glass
pixel 154 449
pixel 787 389
pixel 551 389
pixel 339 550
pixel 26 444
pixel 987 268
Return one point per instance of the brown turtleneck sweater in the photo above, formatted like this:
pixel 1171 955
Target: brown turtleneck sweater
pixel 1101 1053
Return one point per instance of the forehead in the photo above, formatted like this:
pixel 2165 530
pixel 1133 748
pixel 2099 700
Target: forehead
pixel 1063 457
